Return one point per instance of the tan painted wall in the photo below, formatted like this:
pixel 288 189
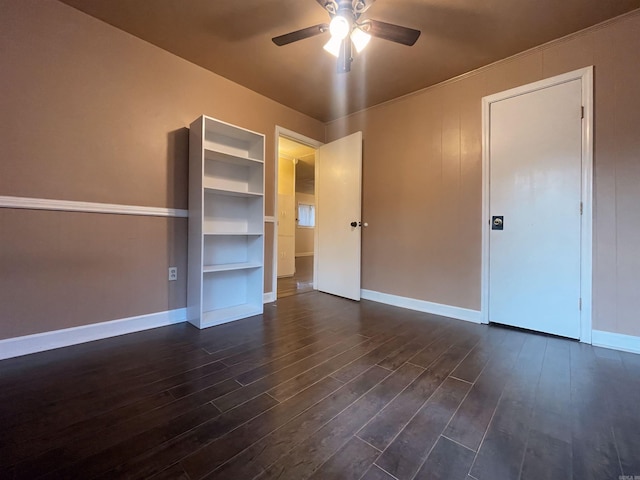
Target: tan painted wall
pixel 59 268
pixel 90 113
pixel 304 236
pixel 422 177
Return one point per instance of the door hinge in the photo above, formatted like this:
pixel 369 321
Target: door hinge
pixel 581 207
pixel 581 112
pixel 580 304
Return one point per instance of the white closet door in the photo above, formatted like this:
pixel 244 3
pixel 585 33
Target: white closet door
pixel 535 183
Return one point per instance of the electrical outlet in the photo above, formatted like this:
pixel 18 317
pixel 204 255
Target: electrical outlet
pixel 173 273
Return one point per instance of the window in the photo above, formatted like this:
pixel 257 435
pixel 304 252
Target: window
pixel 306 215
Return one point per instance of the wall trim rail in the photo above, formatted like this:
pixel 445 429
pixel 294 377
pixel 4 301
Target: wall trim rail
pixel 89 207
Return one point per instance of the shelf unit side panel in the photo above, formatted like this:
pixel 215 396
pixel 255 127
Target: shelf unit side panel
pixel 255 249
pixel 258 278
pixel 194 257
pixel 256 179
pixel 255 288
pixel 256 149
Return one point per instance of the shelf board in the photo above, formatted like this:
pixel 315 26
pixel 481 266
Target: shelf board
pixel 227 267
pixel 246 234
pixel 213 126
pixel 222 315
pixel 219 156
pixel 232 193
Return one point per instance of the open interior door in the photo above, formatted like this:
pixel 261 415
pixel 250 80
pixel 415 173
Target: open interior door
pixel 338 216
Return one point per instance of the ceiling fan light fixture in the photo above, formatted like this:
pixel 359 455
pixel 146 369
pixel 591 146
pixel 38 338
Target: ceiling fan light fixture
pixel 349 31
pixel 360 39
pixel 333 46
pixel 339 27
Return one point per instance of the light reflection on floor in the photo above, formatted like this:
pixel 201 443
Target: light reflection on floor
pixel 302 280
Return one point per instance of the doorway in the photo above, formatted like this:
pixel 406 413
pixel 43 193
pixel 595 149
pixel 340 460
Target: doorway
pixel 337 211
pixel 296 217
pixel 537 171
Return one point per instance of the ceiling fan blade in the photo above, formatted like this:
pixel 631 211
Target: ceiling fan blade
pixel 361 6
pixel 300 34
pixel 330 6
pixel 388 31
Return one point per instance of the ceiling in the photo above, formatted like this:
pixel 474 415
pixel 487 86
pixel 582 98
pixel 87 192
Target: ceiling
pixel 233 39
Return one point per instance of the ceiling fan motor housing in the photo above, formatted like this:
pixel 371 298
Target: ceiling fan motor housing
pixel 349 9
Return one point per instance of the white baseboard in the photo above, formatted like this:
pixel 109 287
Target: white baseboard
pixel 615 341
pixel 305 254
pixel 39 342
pixel 269 297
pixel 423 306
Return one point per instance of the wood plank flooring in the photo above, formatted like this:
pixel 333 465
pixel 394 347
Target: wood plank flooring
pixel 323 388
pixel 300 282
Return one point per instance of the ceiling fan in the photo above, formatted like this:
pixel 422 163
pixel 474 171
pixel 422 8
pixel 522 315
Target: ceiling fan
pixel 348 30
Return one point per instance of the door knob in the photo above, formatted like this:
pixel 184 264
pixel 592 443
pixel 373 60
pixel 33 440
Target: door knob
pixel 497 222
pixel 354 224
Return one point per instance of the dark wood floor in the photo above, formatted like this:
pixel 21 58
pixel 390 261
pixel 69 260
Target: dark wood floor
pixel 323 388
pixel 300 282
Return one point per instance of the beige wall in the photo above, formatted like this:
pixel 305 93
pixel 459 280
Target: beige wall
pixel 90 113
pixel 304 236
pixel 422 177
pixel 60 268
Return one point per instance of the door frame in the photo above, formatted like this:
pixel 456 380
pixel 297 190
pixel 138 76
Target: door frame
pixel 297 137
pixel 585 75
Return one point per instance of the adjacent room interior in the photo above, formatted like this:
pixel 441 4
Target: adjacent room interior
pixel 239 240
pixel 296 217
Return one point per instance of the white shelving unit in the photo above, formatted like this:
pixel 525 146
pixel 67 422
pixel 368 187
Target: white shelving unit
pixel 226 223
